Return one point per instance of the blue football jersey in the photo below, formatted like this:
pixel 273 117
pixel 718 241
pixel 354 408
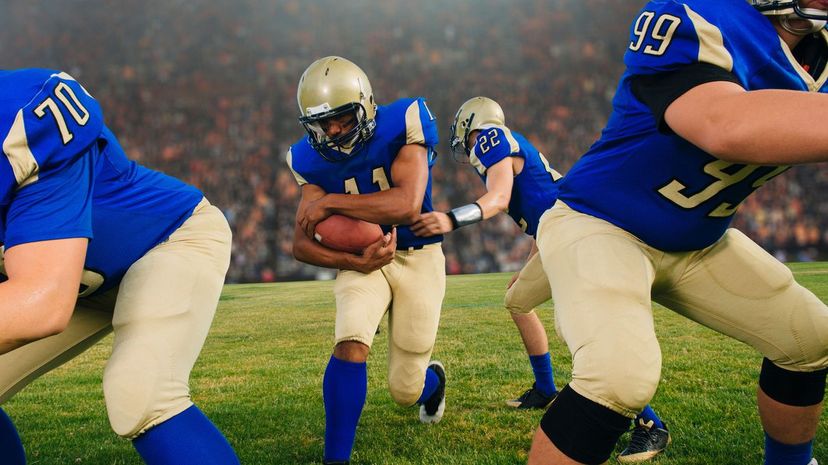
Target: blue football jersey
pixel 406 121
pixel 656 185
pixel 64 175
pixel 536 187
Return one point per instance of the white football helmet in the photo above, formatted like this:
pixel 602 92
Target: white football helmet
pixel 471 116
pixel 790 10
pixel 330 87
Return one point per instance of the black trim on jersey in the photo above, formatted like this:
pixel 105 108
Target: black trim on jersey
pixel 658 91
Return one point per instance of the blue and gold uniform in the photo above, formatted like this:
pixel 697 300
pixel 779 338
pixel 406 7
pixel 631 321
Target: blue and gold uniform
pixel 535 188
pixel 661 188
pixel 375 155
pixel 406 121
pixel 154 269
pixel 63 164
pixel 643 216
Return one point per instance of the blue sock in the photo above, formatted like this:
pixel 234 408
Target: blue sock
pixel 432 381
pixel 189 438
pixel 10 443
pixel 647 416
pixel 344 388
pixel 777 453
pixel 542 367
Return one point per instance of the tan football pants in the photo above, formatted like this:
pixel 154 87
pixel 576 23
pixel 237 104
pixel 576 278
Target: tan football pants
pixel 603 280
pixel 530 290
pixel 160 315
pixel 411 290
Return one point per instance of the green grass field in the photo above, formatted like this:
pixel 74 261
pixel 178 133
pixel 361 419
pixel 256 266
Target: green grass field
pixel 259 378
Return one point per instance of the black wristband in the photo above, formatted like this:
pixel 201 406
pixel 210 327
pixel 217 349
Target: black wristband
pixel 465 215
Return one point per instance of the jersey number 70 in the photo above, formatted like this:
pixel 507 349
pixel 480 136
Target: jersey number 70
pixel 70 102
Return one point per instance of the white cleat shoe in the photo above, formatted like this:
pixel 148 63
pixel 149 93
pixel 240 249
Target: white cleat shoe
pixel 431 411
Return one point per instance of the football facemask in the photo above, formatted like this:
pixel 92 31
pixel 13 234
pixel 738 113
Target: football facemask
pixel 794 18
pixel 344 145
pixel 331 87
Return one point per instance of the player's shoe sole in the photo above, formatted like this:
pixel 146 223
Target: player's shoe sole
pixel 531 399
pixel 431 411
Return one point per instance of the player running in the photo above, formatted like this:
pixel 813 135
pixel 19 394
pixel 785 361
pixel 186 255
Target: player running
pixel 373 163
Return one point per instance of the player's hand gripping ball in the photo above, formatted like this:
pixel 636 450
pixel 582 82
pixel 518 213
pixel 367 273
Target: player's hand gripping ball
pixel 346 234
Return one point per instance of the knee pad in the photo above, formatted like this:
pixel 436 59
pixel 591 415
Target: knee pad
pixel 623 387
pixel 796 388
pixel 133 405
pixel 405 395
pixel 582 429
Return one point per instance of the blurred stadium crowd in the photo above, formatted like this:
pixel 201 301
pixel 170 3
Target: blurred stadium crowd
pixel 205 91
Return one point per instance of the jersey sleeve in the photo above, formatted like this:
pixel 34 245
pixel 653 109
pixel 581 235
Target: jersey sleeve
pixel 493 144
pixel 420 124
pixel 658 91
pixel 669 35
pixel 289 159
pixel 48 147
pixel 58 124
pixel 56 206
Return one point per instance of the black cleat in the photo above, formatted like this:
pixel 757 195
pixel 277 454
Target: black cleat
pixel 336 462
pixel 532 398
pixel 431 411
pixel 645 443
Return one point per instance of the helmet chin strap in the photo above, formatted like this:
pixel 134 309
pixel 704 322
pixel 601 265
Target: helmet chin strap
pixel 800 26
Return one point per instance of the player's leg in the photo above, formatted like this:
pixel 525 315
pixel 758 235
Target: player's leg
pixel 419 283
pixel 361 300
pixel 91 321
pixel 740 290
pixel 165 306
pixel 10 444
pixel 600 278
pixel 529 291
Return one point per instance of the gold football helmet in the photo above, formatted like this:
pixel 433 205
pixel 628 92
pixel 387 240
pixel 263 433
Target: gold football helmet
pixel 331 87
pixel 471 116
pixel 790 10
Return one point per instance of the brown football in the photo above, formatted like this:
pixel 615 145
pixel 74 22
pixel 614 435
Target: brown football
pixel 340 232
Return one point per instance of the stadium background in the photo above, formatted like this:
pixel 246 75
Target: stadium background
pixel 205 91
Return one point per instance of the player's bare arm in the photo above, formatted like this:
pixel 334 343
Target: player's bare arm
pixel 712 117
pixel 308 250
pixel 499 181
pixel 400 204
pixel 39 296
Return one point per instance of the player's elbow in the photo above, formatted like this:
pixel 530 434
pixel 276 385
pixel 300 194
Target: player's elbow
pixel 410 216
pixel 407 212
pixel 501 203
pixel 49 316
pixel 58 316
pixel 736 143
pixel 300 249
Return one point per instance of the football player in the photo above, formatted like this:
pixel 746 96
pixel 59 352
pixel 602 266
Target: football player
pixel 148 253
pixel 373 163
pixel 718 97
pixel 520 181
